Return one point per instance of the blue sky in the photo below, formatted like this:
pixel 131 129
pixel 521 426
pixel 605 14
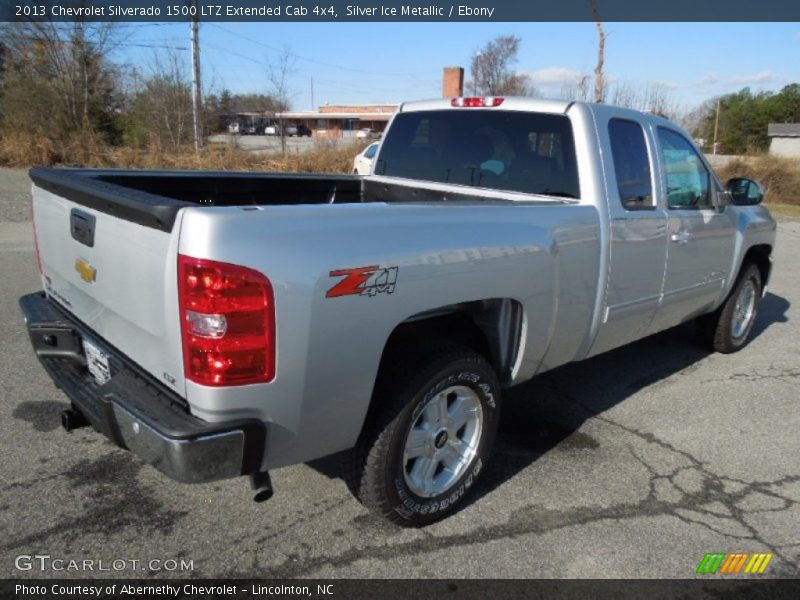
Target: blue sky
pixel 393 62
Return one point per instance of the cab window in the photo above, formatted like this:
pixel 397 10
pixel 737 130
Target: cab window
pixel 531 153
pixel 688 180
pixel 631 164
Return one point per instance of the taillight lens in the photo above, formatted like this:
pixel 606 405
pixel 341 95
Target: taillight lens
pixel 227 322
pixel 475 102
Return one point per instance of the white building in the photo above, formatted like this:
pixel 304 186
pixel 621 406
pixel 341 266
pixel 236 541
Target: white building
pixel 784 139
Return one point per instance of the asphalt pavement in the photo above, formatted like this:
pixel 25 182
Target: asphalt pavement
pixel 632 464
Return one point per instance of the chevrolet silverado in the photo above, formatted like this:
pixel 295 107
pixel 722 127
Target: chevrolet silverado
pixel 220 324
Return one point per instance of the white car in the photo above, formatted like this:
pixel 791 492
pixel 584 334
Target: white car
pixel 367 133
pixel 362 164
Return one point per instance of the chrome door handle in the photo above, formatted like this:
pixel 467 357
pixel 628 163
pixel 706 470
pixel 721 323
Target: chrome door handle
pixel 682 237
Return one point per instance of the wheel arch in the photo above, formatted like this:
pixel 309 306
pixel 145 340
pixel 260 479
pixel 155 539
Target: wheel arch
pixel 761 256
pixel 492 327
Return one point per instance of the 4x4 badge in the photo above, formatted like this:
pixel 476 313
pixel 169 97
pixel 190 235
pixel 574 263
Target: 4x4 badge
pixel 364 281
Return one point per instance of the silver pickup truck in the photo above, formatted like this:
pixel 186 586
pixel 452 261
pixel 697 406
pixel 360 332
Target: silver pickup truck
pixel 221 324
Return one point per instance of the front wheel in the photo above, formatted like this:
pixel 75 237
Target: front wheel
pixel 728 328
pixel 427 438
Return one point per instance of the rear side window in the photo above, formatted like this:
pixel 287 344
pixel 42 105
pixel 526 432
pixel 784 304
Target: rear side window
pixel 515 151
pixel 631 164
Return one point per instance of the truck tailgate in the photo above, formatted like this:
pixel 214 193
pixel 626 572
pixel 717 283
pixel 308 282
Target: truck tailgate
pixel 117 276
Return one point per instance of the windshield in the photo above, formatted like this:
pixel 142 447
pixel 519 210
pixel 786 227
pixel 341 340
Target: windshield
pixel 525 152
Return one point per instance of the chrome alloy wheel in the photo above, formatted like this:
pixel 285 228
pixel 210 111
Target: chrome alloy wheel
pixel 743 310
pixel 442 441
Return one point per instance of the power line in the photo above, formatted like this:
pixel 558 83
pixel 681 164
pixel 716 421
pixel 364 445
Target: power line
pixel 329 82
pixel 307 59
pixel 234 53
pixel 36 38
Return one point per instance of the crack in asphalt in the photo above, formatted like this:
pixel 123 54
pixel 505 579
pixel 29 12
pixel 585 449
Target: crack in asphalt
pixel 771 372
pixel 535 519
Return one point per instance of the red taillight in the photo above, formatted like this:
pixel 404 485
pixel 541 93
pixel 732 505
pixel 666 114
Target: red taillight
pixel 473 102
pixel 227 322
pixel 36 240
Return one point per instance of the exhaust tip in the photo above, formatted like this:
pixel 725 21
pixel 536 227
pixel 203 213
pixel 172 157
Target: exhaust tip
pixel 262 485
pixel 263 495
pixel 72 419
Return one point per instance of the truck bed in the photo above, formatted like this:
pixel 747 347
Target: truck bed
pixel 153 197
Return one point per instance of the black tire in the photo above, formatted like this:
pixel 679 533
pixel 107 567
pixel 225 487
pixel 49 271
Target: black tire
pixel 717 330
pixel 374 469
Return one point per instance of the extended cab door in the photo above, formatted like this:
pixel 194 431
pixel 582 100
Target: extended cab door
pixel 701 233
pixel 638 233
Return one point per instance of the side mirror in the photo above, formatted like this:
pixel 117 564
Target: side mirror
pixel 745 192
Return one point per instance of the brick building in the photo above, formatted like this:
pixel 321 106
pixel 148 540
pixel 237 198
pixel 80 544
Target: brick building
pixel 344 120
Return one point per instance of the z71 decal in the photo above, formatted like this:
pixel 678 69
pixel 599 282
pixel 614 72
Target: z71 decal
pixel 363 281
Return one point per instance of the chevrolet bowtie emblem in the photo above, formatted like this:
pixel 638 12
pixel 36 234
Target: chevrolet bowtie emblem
pixel 87 272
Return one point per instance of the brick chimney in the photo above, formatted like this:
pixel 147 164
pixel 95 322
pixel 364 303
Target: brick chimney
pixel 453 82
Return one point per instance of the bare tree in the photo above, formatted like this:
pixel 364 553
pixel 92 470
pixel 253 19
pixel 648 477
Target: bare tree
pixel 599 73
pixel 161 108
pixel 61 71
pixel 491 69
pixel 578 89
pixel 654 97
pixel 278 70
pixel 626 95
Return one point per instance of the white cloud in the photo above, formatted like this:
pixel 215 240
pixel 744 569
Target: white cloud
pixel 667 85
pixel 554 77
pixel 760 77
pixel 709 79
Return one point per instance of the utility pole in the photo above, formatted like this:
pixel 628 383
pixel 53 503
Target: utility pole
pixel 476 73
pixel 716 128
pixel 312 93
pixel 599 73
pixel 197 98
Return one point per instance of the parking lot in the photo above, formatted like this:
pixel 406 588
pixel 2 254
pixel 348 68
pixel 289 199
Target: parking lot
pixel 631 464
pixel 270 144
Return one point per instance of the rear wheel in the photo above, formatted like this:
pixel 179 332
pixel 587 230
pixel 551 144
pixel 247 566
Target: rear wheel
pixel 726 330
pixel 427 438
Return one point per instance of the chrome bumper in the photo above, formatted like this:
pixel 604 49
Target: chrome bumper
pixel 135 411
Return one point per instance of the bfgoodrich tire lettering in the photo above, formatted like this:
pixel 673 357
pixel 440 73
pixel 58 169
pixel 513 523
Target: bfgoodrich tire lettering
pixel 376 470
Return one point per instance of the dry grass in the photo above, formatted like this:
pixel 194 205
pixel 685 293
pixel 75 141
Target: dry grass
pixel 779 176
pixel 25 150
pixel 785 212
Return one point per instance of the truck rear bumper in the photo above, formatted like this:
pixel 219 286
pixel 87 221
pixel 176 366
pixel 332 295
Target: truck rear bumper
pixel 136 412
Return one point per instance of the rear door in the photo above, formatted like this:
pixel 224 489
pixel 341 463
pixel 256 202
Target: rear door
pixel 117 277
pixel 638 232
pixel 701 233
